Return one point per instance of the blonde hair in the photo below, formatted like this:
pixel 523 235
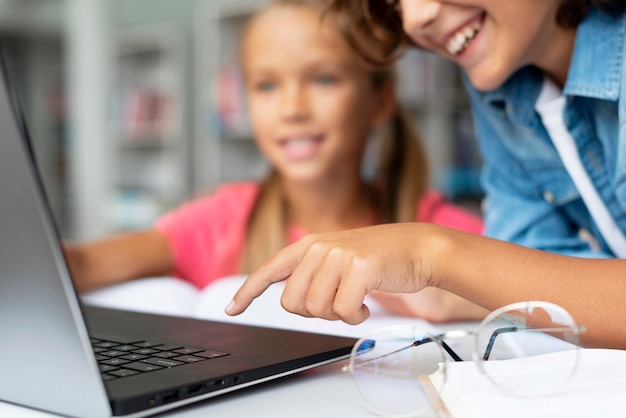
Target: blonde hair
pixel 399 181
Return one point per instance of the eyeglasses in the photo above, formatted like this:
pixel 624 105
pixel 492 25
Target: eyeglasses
pixel 388 365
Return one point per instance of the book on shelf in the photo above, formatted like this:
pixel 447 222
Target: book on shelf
pixel 146 115
pixel 230 104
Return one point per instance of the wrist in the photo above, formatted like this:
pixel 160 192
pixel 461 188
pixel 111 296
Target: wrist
pixel 439 256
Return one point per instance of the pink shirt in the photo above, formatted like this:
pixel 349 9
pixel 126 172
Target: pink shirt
pixel 207 235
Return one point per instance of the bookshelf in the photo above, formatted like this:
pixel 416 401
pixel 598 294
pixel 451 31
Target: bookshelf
pixel 227 151
pixel 145 124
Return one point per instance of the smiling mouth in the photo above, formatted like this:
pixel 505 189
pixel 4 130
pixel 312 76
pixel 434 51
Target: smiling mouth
pixel 459 41
pixel 301 141
pixel 301 147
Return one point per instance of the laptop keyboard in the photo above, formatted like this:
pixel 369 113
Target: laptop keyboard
pixel 117 360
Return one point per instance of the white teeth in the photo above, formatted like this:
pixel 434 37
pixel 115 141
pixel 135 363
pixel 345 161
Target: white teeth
pixel 299 142
pixel 460 40
pixel 302 139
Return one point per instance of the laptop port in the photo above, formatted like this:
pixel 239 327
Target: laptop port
pixel 169 397
pixel 211 385
pixel 193 390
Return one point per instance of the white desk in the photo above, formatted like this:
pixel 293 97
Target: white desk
pixel 323 392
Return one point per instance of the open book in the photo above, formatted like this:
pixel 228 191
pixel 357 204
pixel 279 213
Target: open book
pixel 597 389
pixel 170 296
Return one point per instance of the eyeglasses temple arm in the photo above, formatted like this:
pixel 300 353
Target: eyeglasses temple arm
pixel 450 351
pixel 578 329
pixel 417 343
pixel 492 339
pixel 413 344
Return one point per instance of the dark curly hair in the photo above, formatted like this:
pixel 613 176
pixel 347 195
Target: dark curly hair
pixel 374 28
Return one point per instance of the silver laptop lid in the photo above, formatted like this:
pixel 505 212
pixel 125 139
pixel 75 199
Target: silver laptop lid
pixel 45 354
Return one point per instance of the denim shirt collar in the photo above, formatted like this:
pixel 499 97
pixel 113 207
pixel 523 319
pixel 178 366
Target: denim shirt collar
pixel 599 39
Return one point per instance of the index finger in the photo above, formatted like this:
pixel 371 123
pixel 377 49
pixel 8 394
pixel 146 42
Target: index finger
pixel 276 269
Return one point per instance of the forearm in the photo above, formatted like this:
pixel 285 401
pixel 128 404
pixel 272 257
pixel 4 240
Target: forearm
pixel 118 259
pixel 432 304
pixel 91 269
pixel 453 307
pixel 494 273
pixel 330 275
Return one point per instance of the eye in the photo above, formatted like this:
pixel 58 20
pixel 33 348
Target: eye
pixel 326 79
pixel 265 86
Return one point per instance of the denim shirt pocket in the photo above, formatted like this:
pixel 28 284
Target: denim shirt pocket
pixel 531 144
pixel 540 160
pixel 552 181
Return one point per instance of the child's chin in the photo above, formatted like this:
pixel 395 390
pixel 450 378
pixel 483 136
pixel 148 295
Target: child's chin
pixel 486 81
pixel 304 177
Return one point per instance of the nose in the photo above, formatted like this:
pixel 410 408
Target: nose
pixel 418 15
pixel 294 104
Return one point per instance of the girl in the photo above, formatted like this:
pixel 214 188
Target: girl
pixel 313 105
pixel 545 79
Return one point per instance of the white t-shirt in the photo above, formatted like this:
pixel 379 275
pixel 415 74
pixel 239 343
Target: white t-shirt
pixel 550 105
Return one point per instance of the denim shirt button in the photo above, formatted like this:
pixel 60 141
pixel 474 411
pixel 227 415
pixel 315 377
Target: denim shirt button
pixel 548 196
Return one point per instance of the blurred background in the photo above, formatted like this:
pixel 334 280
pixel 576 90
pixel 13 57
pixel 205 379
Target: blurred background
pixel 134 106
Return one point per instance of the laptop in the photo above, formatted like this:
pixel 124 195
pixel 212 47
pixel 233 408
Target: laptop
pixel 59 356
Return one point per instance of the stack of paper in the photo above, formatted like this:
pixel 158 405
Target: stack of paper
pixel 597 388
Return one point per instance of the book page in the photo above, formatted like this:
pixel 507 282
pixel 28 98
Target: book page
pixel 596 389
pixel 266 310
pixel 161 295
pixel 171 296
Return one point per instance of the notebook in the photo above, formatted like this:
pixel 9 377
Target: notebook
pixel 61 356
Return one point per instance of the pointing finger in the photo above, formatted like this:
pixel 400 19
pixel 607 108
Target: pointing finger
pixel 277 269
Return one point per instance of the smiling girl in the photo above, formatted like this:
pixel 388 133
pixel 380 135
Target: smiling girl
pixel 546 81
pixel 314 105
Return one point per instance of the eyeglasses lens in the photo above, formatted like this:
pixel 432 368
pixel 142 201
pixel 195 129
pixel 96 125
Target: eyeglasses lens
pixel 387 365
pixel 531 330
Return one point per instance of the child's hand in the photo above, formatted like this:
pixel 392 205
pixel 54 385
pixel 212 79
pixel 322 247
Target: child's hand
pixel 330 274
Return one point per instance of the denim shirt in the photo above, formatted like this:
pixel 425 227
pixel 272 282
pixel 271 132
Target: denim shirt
pixel 530 198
